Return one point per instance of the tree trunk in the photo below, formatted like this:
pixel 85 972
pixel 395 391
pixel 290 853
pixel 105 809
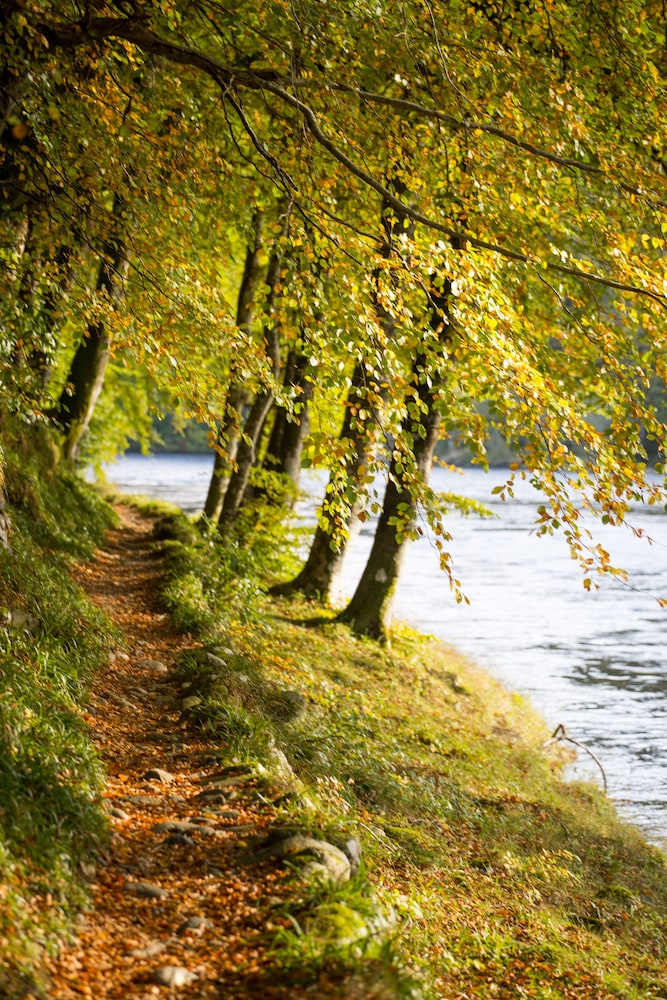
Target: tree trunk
pixel 245 456
pixel 226 447
pixel 325 559
pixel 369 611
pixel 227 440
pixel 285 447
pixel 88 368
pixel 317 579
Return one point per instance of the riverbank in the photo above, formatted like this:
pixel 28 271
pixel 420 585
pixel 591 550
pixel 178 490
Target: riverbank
pixel 440 855
pixel 591 661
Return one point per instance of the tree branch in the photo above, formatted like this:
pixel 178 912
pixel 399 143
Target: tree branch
pixel 229 78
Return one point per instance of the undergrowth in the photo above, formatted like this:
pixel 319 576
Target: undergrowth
pixel 52 826
pixel 494 877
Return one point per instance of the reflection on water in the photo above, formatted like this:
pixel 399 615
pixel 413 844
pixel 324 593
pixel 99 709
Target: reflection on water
pixel 593 662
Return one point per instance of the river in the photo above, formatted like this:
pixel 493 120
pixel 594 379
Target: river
pixel 593 662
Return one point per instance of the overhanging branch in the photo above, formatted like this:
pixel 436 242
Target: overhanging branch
pixel 232 78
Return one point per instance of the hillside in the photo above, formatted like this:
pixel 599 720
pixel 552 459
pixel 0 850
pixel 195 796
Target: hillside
pixel 239 789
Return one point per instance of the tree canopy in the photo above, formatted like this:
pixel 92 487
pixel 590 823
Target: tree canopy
pixel 494 169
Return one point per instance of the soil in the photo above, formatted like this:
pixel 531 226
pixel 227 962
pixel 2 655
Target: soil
pixel 135 720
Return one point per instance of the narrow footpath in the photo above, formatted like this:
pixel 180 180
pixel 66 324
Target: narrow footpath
pixel 174 909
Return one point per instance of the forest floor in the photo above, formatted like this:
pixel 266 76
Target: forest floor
pixel 173 904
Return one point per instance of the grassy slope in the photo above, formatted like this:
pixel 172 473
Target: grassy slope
pixel 504 880
pixel 51 823
pixel 496 879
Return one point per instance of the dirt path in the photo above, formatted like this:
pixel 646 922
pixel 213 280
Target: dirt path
pixel 159 878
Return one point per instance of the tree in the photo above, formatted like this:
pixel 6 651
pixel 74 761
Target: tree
pixel 86 375
pixel 245 455
pixel 531 139
pixel 368 612
pixel 227 435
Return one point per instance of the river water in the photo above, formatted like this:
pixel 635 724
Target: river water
pixel 593 662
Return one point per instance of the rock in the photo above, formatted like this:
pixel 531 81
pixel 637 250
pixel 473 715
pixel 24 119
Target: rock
pixel 279 764
pixel 195 925
pixel 286 706
pixel 20 619
pixel 226 772
pixel 216 661
pixel 143 800
pixel 118 813
pixel 149 951
pixel 228 813
pixel 173 975
pixel 155 666
pixel 351 848
pixel 116 654
pixel 119 700
pixel 88 870
pixel 179 840
pixel 211 796
pixel 318 859
pixel 157 774
pixel 146 889
pixel 183 827
pixel 190 702
pixel 337 923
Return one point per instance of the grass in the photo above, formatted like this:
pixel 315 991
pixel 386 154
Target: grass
pixel 52 826
pixel 501 879
pixel 483 873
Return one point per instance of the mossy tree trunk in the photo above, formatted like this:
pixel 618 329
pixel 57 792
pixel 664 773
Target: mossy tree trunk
pixel 262 403
pixel 369 610
pixel 227 438
pixel 88 367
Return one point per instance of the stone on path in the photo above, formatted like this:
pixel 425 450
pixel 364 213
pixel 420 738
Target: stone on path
pixel 150 951
pixel 194 924
pixel 155 666
pixel 173 975
pixel 184 826
pixel 118 813
pixel 158 774
pixel 147 890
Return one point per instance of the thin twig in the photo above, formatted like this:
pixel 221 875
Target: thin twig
pixel 560 736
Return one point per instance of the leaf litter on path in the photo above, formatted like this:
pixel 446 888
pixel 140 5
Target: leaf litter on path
pixel 170 908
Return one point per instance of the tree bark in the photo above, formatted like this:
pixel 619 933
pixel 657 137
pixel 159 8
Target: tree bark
pixel 285 447
pixel 227 439
pixel 317 579
pixel 245 455
pixel 88 368
pixel 369 610
pixel 226 447
pixel 322 568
